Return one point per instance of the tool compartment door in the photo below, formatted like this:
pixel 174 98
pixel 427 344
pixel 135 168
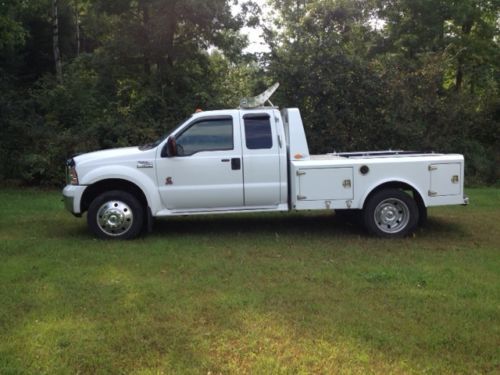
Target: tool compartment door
pixel 445 179
pixel 325 183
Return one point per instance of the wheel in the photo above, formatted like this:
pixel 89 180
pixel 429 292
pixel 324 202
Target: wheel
pixel 391 213
pixel 116 215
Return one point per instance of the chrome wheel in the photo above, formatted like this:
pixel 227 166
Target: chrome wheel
pixel 391 215
pixel 115 218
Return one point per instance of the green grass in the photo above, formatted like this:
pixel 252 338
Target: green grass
pixel 290 293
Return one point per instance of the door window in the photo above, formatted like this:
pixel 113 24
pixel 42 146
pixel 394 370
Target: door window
pixel 258 133
pixel 206 135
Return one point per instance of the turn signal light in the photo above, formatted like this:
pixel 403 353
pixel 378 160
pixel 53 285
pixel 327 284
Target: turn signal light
pixel 72 177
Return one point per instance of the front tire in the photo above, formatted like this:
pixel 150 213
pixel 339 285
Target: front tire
pixel 391 213
pixel 116 215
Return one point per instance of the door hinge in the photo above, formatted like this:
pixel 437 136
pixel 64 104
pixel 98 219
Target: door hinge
pixel 432 168
pixel 432 193
pixel 300 173
pixel 346 184
pixel 301 197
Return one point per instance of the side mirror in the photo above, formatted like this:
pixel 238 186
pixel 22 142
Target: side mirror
pixel 170 148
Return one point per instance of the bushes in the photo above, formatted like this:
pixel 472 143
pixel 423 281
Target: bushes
pixel 50 122
pixel 419 83
pixel 357 108
pixel 350 104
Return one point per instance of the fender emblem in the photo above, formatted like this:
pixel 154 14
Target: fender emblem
pixel 168 181
pixel 144 164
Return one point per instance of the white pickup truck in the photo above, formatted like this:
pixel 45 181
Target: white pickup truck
pixel 255 159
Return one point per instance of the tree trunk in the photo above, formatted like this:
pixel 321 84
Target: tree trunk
pixel 459 75
pixel 144 9
pixel 166 57
pixel 55 42
pixel 466 29
pixel 170 28
pixel 77 27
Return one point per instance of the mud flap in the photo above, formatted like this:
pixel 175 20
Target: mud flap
pixel 149 220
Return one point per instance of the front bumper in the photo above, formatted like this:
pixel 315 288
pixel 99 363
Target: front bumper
pixel 72 198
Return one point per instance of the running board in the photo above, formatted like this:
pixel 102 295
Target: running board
pixel 280 207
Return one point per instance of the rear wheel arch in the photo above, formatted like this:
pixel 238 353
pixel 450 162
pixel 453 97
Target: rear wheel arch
pixel 396 185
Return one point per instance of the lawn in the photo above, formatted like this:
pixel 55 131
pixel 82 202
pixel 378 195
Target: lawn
pixel 276 293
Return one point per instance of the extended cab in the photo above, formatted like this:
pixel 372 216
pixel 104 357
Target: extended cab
pixel 255 160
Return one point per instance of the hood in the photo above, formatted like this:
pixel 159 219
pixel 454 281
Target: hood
pixel 114 154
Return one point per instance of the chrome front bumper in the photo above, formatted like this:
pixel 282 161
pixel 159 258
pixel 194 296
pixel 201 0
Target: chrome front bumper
pixel 68 203
pixel 72 197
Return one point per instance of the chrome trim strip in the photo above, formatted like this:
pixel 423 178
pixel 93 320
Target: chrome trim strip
pixel 144 164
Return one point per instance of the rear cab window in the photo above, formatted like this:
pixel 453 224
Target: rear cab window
pixel 258 133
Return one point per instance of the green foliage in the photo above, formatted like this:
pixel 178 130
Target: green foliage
pixel 427 77
pixel 428 80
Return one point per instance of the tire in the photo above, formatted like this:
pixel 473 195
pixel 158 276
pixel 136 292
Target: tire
pixel 422 215
pixel 391 213
pixel 116 215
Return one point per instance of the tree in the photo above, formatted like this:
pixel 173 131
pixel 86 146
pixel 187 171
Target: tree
pixel 465 30
pixel 55 41
pixel 122 72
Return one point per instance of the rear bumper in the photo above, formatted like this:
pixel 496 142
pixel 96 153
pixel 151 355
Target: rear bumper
pixel 72 197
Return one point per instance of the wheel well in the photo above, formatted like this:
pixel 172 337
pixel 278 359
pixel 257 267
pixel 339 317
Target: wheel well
pixel 100 187
pixel 398 185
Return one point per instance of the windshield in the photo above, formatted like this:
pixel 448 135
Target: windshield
pixel 149 146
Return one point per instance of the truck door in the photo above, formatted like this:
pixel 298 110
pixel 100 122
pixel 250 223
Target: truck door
pixel 261 159
pixel 206 173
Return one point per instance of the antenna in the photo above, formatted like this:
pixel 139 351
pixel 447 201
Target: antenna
pixel 259 100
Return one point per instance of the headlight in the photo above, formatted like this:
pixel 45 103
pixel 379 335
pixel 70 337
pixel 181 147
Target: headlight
pixel 71 175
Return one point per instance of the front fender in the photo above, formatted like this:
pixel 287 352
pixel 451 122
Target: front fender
pixel 145 179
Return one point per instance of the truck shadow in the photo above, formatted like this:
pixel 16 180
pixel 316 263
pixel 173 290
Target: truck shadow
pixel 271 223
pixel 443 228
pixel 323 223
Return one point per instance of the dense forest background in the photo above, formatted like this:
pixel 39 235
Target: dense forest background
pixel 81 75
